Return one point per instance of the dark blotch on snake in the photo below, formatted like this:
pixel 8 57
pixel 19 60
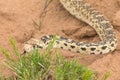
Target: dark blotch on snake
pixel 104 47
pixel 112 45
pixel 100 18
pixel 72 41
pixel 93 49
pixel 77 51
pixel 39 47
pixel 69 49
pixel 61 47
pixel 92 53
pixel 57 42
pixel 100 52
pixel 105 25
pixel 72 46
pixel 84 49
pixel 34 46
pixel 65 44
pixel 44 37
pixel 110 50
pixel 63 38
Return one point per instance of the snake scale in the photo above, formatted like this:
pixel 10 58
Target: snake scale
pixel 82 11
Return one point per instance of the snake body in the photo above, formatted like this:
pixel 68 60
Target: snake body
pixel 83 11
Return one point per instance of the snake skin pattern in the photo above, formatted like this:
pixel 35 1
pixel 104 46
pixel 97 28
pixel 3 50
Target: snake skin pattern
pixel 83 11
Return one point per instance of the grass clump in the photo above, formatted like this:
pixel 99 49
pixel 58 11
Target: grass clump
pixel 71 70
pixel 44 66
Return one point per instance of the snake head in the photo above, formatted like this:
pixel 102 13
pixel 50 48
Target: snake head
pixel 32 44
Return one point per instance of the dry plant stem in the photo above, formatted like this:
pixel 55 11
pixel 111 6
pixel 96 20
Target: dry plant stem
pixel 43 14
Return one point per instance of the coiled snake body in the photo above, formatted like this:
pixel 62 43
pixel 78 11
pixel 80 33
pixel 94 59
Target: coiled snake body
pixel 86 13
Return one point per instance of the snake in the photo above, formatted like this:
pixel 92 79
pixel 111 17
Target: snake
pixel 83 11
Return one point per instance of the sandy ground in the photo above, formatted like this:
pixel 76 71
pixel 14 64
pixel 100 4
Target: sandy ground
pixel 17 19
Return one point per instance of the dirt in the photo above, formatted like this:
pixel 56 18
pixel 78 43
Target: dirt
pixel 18 18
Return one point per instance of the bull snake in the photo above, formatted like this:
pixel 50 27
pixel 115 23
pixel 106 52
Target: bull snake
pixel 83 11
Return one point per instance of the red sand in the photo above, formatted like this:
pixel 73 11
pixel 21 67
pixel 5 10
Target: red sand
pixel 16 20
